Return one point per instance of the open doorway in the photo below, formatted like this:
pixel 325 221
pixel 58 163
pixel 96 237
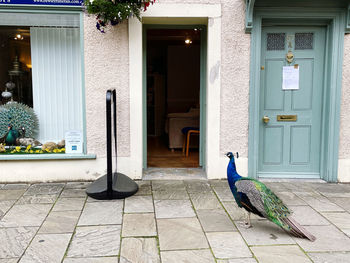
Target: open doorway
pixel 173 96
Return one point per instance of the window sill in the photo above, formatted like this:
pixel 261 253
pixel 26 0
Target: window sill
pixel 66 156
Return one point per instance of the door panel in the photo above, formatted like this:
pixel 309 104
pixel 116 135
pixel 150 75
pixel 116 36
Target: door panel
pixel 302 100
pixel 300 146
pixel 274 96
pixel 273 145
pixel 291 148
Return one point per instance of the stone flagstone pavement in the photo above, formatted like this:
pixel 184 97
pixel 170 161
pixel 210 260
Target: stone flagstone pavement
pixel 193 221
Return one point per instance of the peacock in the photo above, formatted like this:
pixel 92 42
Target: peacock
pixel 257 198
pixel 10 136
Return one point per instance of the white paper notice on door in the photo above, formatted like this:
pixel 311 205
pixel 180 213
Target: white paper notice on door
pixel 290 78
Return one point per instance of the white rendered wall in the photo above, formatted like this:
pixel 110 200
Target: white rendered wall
pixel 344 140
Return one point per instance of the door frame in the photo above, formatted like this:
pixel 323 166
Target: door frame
pixel 202 88
pixel 334 21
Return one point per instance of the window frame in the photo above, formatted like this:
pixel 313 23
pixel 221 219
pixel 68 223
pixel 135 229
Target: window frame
pixel 48 9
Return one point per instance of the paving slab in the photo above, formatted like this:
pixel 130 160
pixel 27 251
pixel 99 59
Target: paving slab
pixel 144 188
pixel 218 183
pixel 328 239
pixel 187 256
pixel 173 208
pixel 341 220
pixel 74 193
pixel 139 225
pixel 276 187
pixel 168 184
pixel 92 260
pixel 102 213
pixel 334 190
pixel 264 232
pixel 25 215
pixel 305 215
pixel 181 233
pixel 343 202
pixel 6 195
pixel 338 257
pixel 9 260
pixel 346 232
pixel 77 185
pixel 228 245
pixel 321 204
pixel 15 186
pixel 290 198
pixel 236 213
pixel 60 222
pixel 194 186
pixel 69 204
pixel 215 220
pixel 15 240
pixel 303 194
pixel 278 254
pixel 139 204
pixel 37 199
pixel 46 248
pixel 44 189
pixel 95 241
pixel 224 194
pixel 205 201
pixel 140 250
pixel 237 260
pixel 298 186
pixel 170 194
pixel 5 206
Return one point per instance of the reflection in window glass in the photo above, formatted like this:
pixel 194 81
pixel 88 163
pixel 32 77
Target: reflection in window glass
pixel 16 65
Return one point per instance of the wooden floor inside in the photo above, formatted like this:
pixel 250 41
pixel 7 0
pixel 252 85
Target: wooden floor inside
pixel 159 155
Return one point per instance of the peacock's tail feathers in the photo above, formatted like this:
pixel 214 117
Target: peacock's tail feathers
pixel 297 230
pixel 274 206
pixel 18 115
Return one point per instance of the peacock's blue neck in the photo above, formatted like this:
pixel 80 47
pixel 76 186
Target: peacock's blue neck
pixel 232 175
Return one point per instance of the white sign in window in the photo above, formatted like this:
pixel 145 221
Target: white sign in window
pixel 74 141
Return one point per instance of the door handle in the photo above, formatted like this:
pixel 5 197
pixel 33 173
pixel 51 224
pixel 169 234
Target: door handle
pixel 265 119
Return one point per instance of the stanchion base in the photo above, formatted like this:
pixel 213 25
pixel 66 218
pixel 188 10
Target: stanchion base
pixel 122 187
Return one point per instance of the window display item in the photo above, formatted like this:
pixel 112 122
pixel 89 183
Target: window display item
pixel 20 117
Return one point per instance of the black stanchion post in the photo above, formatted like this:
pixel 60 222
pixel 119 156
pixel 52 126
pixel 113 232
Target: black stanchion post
pixel 112 185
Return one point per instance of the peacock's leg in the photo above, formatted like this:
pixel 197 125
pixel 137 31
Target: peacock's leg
pixel 246 223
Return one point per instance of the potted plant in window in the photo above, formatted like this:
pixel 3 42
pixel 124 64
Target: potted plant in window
pixel 115 11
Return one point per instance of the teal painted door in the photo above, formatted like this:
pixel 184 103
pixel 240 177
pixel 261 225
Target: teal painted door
pixel 291 148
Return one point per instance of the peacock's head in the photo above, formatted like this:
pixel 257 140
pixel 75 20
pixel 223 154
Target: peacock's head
pixel 231 155
pixel 9 127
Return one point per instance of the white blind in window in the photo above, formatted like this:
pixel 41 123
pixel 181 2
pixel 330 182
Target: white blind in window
pixel 56 73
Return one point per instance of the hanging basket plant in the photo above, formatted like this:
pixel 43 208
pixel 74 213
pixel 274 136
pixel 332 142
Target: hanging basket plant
pixel 115 11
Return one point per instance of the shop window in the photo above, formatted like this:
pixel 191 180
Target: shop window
pixel 41 67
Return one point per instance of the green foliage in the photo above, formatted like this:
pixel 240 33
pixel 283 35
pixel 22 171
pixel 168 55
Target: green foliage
pixel 18 115
pixel 115 11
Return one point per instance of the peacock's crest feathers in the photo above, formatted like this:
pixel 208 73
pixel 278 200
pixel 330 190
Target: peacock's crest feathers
pixel 18 115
